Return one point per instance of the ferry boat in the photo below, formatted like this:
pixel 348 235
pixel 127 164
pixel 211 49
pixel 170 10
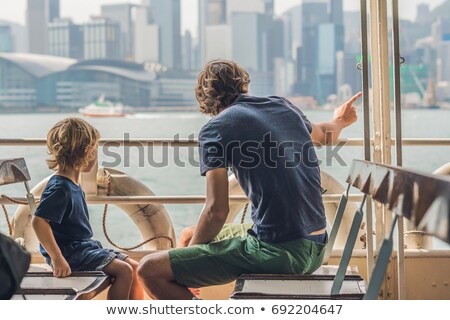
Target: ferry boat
pixel 105 108
pixel 415 269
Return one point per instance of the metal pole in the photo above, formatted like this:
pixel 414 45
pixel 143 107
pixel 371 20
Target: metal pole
pixel 367 138
pixel 381 104
pixel 365 79
pixel 398 143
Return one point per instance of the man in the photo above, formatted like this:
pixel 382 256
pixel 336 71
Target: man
pixel 268 143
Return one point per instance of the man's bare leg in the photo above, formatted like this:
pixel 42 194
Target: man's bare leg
pixel 158 279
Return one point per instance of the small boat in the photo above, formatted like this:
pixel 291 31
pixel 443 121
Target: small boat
pixel 105 108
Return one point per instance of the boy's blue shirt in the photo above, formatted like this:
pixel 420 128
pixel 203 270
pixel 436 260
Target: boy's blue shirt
pixel 63 205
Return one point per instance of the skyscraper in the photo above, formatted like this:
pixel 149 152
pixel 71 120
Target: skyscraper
pixel 6 39
pixel 146 37
pixel 166 14
pixel 39 14
pixel 216 18
pixel 53 10
pixel 423 13
pixel 312 16
pixel 247 42
pixel 337 12
pixel 217 12
pixel 187 51
pixel 122 13
pixel 101 39
pixel 16 33
pixel 65 39
pixel 337 18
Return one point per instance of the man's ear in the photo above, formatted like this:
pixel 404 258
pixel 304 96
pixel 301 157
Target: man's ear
pixel 90 152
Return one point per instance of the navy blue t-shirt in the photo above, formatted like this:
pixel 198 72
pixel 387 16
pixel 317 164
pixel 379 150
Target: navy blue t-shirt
pixel 267 144
pixel 63 205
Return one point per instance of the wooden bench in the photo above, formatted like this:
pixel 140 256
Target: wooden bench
pixel 421 198
pixel 79 286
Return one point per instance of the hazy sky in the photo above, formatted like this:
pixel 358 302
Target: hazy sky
pixel 80 10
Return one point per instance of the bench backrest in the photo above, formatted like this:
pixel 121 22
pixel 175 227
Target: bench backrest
pixel 421 198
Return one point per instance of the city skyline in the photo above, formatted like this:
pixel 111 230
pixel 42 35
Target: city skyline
pixel 81 10
pixel 140 57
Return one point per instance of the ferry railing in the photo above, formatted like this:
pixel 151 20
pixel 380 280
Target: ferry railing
pixel 170 199
pixel 194 199
pixel 352 142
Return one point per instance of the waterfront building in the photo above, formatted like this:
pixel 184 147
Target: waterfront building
pixel 19 77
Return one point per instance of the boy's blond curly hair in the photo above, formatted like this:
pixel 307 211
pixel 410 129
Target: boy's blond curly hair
pixel 71 143
pixel 219 84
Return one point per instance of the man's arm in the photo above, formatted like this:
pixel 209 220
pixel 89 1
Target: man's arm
pixel 215 211
pixel 44 233
pixel 326 133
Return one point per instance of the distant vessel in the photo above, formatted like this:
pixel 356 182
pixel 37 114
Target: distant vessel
pixel 105 108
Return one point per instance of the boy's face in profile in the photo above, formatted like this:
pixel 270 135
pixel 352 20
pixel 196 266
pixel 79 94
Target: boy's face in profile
pixel 92 157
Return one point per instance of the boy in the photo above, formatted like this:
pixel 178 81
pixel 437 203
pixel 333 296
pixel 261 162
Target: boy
pixel 61 221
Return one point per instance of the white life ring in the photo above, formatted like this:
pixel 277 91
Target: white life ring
pixel 151 219
pixel 330 184
pixel 444 170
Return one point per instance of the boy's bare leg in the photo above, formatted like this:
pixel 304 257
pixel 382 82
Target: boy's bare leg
pixel 158 279
pixel 123 277
pixel 136 291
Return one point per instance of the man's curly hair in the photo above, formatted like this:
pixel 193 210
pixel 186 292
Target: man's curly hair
pixel 71 143
pixel 219 84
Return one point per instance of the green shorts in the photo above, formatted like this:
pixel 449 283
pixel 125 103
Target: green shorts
pixel 234 252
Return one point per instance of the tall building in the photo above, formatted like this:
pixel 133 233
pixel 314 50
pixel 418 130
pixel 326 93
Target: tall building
pixel 252 6
pixel 216 17
pixel 65 39
pixel 166 15
pixel 202 23
pixel 247 43
pixel 6 39
pixel 101 39
pixel 146 35
pixel 122 13
pixel 212 13
pixel 187 51
pixel 337 18
pixel 218 43
pixel 217 12
pixel 423 13
pixel 326 61
pixel 352 26
pixel 441 43
pixel 307 54
pixel 39 14
pixel 443 62
pixel 16 34
pixel 53 10
pixel 294 27
pixel 337 12
pixel 250 48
